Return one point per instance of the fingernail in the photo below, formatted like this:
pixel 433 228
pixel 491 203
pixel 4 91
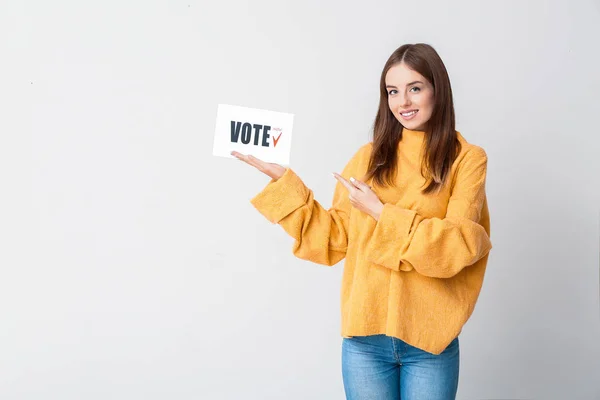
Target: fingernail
pixel 352 179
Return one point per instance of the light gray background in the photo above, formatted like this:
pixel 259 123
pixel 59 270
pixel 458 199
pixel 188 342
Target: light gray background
pixel 134 266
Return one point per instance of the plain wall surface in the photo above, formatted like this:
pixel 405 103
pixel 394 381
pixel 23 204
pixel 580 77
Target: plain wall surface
pixel 133 264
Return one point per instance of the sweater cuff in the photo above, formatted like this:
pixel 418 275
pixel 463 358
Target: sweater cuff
pixel 390 237
pixel 281 197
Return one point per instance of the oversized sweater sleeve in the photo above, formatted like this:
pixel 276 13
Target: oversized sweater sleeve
pixel 403 240
pixel 321 235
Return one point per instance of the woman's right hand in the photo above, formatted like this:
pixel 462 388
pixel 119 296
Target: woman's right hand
pixel 275 171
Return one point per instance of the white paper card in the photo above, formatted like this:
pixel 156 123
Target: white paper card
pixel 264 134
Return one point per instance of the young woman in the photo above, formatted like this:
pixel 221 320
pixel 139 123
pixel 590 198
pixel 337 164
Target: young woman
pixel 410 216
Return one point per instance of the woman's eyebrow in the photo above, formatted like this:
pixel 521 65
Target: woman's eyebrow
pixel 409 84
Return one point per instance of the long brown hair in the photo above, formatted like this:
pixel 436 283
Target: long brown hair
pixel 441 141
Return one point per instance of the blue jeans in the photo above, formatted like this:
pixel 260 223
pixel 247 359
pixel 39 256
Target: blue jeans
pixel 381 367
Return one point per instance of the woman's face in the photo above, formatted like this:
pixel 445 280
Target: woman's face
pixel 410 96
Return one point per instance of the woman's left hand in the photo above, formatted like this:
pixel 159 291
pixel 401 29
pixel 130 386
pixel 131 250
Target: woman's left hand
pixel 361 196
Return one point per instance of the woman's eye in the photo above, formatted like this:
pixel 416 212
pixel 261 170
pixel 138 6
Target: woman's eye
pixel 390 92
pixel 416 88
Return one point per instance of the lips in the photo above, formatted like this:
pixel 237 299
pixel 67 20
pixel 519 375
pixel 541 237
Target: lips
pixel 408 114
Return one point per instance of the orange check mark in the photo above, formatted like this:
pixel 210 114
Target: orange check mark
pixel 276 140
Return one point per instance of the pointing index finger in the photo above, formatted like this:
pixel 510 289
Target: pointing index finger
pixel 344 182
pixel 360 185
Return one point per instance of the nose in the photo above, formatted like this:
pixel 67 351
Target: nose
pixel 404 100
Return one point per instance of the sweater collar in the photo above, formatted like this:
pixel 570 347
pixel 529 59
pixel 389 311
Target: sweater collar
pixel 412 138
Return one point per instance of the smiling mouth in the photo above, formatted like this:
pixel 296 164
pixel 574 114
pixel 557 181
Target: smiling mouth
pixel 409 114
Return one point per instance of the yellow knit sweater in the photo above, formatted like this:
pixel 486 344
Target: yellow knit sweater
pixel 414 274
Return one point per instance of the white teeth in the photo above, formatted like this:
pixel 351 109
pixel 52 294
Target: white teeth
pixel 408 114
